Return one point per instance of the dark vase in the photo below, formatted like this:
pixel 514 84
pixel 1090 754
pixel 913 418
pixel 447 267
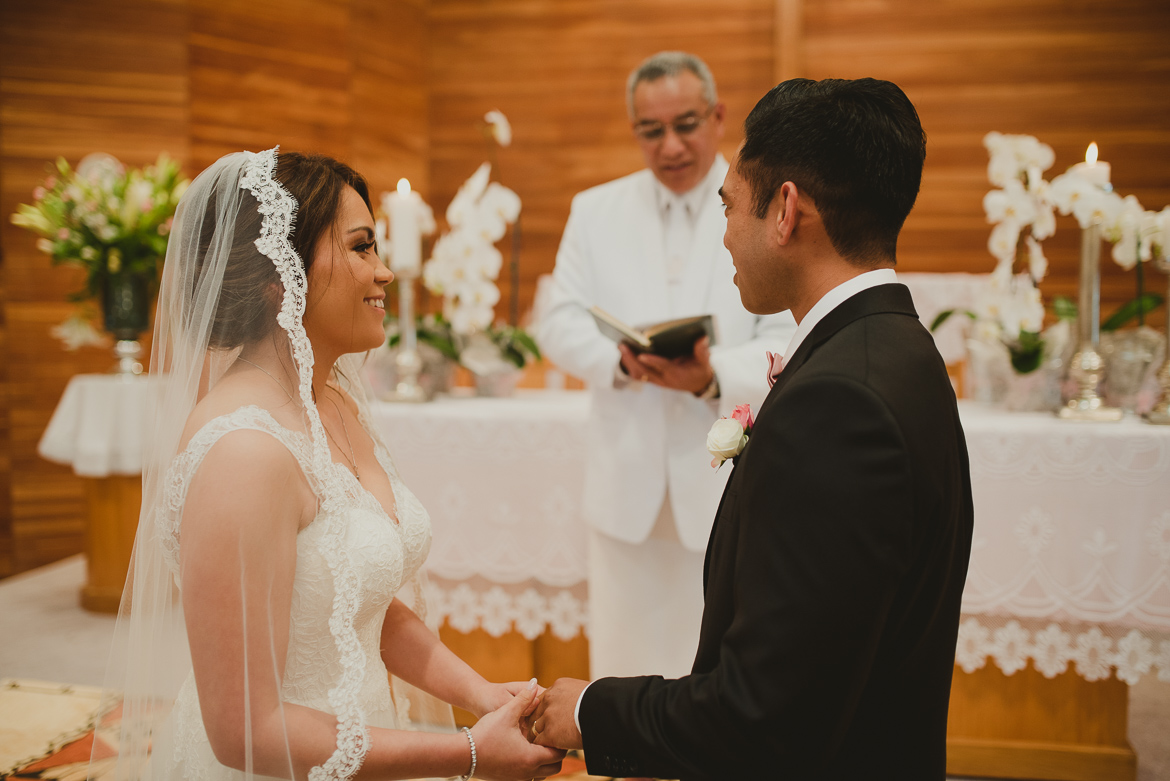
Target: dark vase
pixel 126 305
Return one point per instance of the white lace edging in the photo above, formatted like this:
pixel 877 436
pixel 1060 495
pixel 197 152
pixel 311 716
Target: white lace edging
pixel 278 210
pixel 1095 652
pixel 497 611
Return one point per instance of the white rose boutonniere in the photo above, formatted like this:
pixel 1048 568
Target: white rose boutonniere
pixel 728 436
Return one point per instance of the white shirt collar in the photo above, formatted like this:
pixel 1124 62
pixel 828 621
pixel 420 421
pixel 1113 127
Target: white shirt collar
pixel 693 198
pixel 833 299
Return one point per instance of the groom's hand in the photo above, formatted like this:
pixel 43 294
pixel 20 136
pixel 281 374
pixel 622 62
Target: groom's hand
pixel 553 723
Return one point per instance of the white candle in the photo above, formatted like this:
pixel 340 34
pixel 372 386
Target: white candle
pixel 1092 170
pixel 405 236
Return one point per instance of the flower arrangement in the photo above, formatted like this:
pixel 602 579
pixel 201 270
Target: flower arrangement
pixel 729 436
pixel 465 263
pixel 109 221
pixel 1010 311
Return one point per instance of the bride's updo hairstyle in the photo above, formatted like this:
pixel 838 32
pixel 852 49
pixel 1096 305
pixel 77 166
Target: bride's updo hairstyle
pixel 251 293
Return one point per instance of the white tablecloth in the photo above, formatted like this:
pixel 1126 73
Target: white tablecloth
pixel 502 480
pixel 1070 564
pixel 98 426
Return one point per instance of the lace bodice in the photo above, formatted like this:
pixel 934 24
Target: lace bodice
pixel 352 560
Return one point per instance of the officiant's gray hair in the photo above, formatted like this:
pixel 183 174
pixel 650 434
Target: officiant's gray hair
pixel 659 66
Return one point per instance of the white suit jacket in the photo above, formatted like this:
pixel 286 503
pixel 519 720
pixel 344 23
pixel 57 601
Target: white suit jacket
pixel 643 438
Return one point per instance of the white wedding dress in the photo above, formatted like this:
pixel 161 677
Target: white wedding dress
pixel 333 662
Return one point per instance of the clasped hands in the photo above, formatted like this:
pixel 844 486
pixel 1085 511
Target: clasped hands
pixel 549 719
pixel 689 373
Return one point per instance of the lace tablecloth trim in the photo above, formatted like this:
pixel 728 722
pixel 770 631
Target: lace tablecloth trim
pixel 498 610
pixel 1095 652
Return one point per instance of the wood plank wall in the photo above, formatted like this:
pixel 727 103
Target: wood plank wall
pixel 1066 72
pixel 399 89
pixel 75 78
pixel 197 79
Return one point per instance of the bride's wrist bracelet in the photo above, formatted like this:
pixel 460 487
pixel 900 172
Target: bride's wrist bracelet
pixel 470 742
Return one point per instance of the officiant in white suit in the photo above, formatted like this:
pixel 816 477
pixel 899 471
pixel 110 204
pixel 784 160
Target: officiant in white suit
pixel 648 247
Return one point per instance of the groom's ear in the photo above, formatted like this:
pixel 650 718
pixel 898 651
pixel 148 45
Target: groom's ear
pixel 785 213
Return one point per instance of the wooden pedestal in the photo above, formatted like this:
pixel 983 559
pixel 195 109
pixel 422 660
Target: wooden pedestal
pixel 1029 726
pixel 113 504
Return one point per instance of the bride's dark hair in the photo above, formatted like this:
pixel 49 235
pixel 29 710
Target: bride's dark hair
pixel 250 296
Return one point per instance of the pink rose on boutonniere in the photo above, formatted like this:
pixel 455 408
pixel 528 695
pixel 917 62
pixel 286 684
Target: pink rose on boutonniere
pixel 728 436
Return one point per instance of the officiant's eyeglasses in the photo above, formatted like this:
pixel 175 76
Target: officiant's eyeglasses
pixel 649 130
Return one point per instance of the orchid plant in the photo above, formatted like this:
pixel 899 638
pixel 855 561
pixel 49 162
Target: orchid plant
pixel 1023 212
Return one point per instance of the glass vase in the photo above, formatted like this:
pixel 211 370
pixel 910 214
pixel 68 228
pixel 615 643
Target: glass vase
pixel 1131 357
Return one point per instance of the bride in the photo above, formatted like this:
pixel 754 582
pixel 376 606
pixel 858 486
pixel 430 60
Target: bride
pixel 274 625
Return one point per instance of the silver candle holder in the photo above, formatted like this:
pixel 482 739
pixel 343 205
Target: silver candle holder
pixel 1160 414
pixel 1087 367
pixel 408 363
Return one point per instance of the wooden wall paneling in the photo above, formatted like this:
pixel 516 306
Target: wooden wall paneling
pixel 389 95
pixel 75 77
pixel 558 71
pixel 1066 73
pixel 269 72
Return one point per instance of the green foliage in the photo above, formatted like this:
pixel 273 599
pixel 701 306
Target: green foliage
pixel 1027 352
pixel 1064 308
pixel 945 315
pixel 429 329
pixel 1145 304
pixel 515 344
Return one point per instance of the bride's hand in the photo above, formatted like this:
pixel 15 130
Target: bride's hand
pixel 503 751
pixel 492 696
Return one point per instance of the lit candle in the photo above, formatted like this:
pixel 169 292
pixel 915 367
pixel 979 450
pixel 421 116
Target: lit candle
pixel 1092 170
pixel 410 219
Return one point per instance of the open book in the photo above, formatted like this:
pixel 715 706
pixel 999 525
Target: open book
pixel 669 339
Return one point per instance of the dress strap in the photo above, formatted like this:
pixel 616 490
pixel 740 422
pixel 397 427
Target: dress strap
pixel 187 463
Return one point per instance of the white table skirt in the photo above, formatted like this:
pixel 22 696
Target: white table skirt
pixel 1070 564
pixel 98 426
pixel 502 480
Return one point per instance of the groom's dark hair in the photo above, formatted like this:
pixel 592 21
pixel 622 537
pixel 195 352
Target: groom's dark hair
pixel 856 148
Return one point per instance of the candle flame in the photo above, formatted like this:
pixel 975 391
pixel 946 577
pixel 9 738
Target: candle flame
pixel 404 186
pixel 1091 153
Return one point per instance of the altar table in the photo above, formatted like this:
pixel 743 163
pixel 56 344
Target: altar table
pixel 1067 598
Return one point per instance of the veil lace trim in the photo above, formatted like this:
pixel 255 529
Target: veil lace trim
pixel 277 208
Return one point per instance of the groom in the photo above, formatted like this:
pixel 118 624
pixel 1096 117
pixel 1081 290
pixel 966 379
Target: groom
pixel 836 565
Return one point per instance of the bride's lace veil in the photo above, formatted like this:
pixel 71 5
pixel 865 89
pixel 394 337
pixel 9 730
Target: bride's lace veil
pixel 232 230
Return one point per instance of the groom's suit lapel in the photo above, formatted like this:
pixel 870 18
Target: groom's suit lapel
pixel 889 298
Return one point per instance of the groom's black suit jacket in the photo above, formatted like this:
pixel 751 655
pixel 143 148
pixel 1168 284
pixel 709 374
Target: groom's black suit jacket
pixel 833 577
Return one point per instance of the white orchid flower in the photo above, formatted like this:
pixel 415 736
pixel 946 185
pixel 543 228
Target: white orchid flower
pixel 1067 189
pixel 1037 263
pixel 1044 224
pixel 1002 169
pixel 466 201
pixel 501 201
pixel 480 293
pixel 1147 235
pixel 1031 152
pixel 1012 203
pixel 500 127
pixel 466 319
pixel 1097 207
pixel 1002 242
pixel 77 332
pixel 1124 231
